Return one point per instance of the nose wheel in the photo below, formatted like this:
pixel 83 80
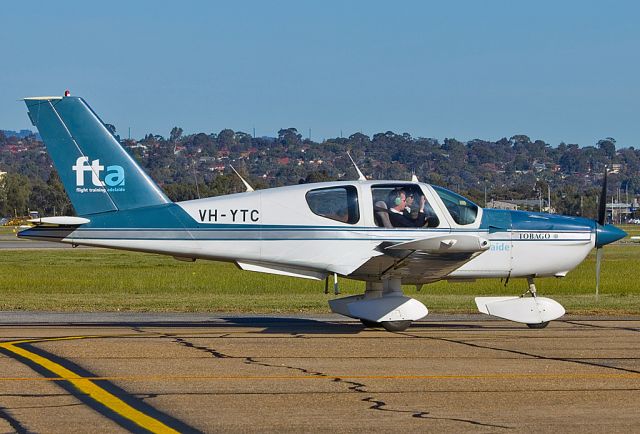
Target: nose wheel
pixel 533 291
pixel 529 308
pixel 395 326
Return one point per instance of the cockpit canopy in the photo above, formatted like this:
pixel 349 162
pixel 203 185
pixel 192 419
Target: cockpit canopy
pixel 395 205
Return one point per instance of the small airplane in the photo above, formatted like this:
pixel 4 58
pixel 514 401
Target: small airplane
pixel 360 230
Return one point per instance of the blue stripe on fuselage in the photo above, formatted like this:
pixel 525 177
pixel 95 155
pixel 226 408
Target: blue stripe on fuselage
pixel 497 220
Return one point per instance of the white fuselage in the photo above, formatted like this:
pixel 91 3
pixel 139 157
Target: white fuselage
pixel 275 230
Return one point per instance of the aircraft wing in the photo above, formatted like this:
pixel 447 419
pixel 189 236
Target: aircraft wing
pixel 424 260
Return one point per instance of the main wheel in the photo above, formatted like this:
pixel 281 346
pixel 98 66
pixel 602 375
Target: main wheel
pixel 369 324
pixel 538 325
pixel 395 326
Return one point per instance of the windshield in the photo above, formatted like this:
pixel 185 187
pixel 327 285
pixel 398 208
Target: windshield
pixel 463 211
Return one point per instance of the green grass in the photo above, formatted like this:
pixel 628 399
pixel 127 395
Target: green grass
pixel 631 230
pixel 8 230
pixel 106 280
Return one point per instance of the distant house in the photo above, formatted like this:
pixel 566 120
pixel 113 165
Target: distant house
pixel 501 204
pixel 16 149
pixel 615 168
pixel 217 168
pixel 515 204
pixel 137 146
pixel 539 167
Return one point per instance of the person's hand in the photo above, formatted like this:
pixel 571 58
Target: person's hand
pixel 423 200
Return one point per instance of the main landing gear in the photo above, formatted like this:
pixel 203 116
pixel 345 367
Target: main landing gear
pixel 382 305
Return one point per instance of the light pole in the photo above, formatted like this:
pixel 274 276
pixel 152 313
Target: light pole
pixel 485 193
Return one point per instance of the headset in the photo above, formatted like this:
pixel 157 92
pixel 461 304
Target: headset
pixel 395 197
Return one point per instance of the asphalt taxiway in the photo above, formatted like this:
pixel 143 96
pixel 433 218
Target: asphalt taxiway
pixel 165 373
pixel 12 242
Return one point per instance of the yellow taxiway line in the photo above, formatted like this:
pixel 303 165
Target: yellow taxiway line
pixel 87 386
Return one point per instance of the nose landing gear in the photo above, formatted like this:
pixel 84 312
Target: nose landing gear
pixel 534 311
pixel 533 291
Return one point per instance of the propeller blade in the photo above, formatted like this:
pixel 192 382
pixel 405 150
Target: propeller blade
pixel 598 262
pixel 602 205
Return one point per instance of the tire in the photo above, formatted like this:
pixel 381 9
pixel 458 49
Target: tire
pixel 369 324
pixel 539 325
pixel 395 326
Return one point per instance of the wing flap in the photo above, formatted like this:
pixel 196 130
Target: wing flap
pixel 283 270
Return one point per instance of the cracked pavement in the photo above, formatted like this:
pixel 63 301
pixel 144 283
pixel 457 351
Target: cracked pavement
pixel 274 374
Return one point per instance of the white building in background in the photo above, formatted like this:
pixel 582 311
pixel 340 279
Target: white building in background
pixel 501 204
pixel 540 204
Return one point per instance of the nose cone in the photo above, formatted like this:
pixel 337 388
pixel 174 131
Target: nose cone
pixel 608 234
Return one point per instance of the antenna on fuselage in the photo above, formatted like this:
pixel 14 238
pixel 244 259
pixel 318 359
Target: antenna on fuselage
pixel 361 177
pixel 246 184
pixel 414 178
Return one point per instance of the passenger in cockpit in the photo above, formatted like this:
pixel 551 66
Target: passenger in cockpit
pixel 410 210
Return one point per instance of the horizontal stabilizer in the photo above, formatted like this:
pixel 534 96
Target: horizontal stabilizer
pixel 59 221
pixel 450 243
pixel 528 310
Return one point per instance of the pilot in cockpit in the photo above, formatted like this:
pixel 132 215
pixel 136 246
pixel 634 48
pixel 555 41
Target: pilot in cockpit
pixel 399 215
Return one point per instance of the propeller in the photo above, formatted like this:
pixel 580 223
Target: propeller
pixel 602 216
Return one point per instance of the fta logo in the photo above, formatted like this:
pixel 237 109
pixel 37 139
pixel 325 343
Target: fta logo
pixel 114 176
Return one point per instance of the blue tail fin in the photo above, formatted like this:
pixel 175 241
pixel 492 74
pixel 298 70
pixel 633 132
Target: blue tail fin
pixel 97 173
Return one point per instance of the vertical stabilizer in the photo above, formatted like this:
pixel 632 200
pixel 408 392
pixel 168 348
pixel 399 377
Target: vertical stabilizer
pixel 97 173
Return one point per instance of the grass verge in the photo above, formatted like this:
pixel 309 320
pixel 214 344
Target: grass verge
pixel 106 280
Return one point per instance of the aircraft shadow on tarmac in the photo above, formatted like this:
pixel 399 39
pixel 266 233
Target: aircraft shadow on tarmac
pixel 276 325
pixel 311 326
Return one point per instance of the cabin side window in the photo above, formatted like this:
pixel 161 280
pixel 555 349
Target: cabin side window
pixel 335 203
pixel 463 211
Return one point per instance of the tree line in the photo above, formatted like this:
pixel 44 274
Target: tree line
pixel 198 165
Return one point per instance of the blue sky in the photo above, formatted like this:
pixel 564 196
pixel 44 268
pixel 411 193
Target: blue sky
pixel 557 71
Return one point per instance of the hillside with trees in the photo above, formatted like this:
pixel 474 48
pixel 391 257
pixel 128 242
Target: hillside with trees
pixel 198 165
